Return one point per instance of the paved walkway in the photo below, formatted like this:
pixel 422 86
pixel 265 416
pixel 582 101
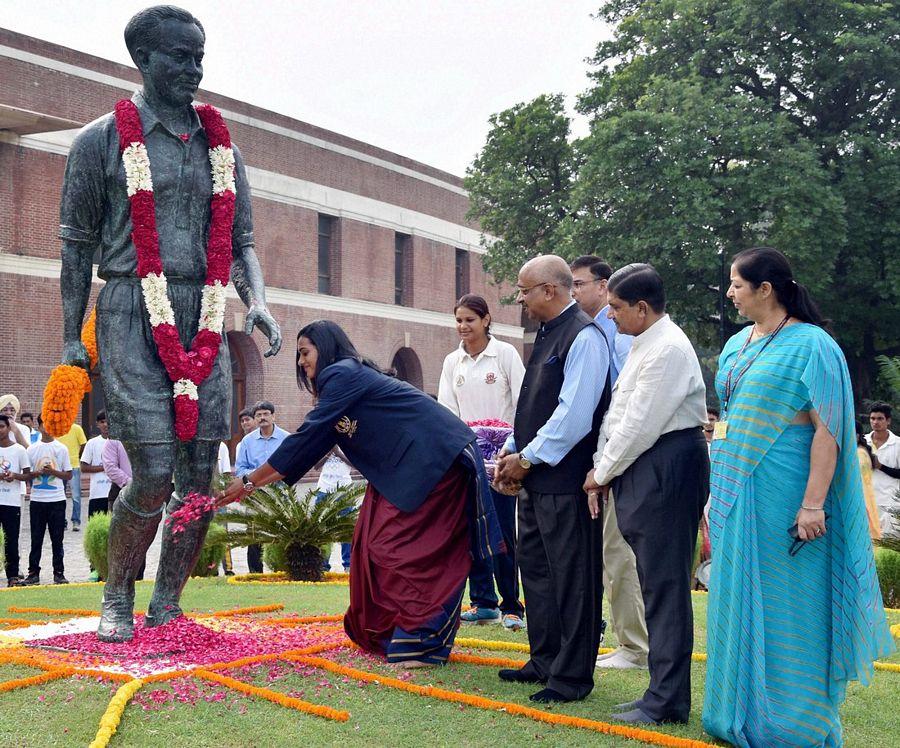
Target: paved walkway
pixel 76 565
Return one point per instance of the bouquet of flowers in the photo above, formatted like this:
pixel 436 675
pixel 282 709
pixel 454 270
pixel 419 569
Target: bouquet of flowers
pixel 491 435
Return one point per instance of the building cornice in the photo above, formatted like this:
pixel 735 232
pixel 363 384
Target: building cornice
pixel 41 267
pixel 130 86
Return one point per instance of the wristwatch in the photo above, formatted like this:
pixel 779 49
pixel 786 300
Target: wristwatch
pixel 248 484
pixel 524 462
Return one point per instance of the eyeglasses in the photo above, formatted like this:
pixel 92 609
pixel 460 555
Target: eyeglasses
pixel 526 291
pixel 581 284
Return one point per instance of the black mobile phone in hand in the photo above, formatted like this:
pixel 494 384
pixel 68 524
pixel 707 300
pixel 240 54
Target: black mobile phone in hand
pixel 794 533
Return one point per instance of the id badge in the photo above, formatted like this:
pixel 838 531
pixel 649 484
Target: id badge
pixel 720 430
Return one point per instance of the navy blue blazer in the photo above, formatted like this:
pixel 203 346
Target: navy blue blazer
pixel 398 437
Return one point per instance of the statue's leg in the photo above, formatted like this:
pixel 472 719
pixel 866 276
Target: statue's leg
pixel 135 518
pixel 194 464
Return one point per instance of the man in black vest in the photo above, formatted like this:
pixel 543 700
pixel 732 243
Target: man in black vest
pixel 564 397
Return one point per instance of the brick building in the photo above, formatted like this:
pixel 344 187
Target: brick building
pixel 376 242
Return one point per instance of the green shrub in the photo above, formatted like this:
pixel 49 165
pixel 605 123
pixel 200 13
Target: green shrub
pixel 214 548
pixel 96 542
pixel 887 563
pixel 300 524
pixel 274 557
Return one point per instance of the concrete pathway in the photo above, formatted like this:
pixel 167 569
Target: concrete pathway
pixel 76 564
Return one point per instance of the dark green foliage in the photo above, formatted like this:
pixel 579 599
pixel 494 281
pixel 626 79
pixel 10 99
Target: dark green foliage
pixel 96 541
pixel 214 548
pixel 887 563
pixel 299 525
pixel 716 126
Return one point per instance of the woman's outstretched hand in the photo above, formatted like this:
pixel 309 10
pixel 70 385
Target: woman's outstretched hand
pixel 234 491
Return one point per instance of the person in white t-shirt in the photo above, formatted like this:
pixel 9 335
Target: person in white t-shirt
pixel 50 467
pixel 334 473
pixel 481 381
pixel 92 465
pixel 223 467
pixel 14 468
pixel 885 446
pixel 9 407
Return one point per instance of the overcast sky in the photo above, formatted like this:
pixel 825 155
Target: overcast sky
pixel 416 77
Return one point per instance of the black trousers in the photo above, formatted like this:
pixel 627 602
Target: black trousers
pixel 254 559
pixel 95 506
pixel 46 515
pixel 501 567
pixel 10 521
pixel 659 502
pixel 560 557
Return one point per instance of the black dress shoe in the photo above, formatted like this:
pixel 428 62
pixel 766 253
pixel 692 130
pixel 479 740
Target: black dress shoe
pixel 517 676
pixel 636 717
pixel 549 696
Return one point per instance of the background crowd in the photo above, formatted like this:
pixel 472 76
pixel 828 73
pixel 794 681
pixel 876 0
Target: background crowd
pixel 601 485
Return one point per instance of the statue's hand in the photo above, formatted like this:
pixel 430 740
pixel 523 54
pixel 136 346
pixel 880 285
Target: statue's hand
pixel 75 354
pixel 259 316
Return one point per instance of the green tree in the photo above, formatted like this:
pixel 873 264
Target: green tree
pixel 720 124
pixel 520 184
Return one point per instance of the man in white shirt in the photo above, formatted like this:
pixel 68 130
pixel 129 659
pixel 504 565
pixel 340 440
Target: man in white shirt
pixel 652 454
pixel 50 467
pixel 92 465
pixel 9 407
pixel 885 446
pixel 620 577
pixel 14 468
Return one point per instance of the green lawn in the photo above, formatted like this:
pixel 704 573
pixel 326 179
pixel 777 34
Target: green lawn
pixel 190 713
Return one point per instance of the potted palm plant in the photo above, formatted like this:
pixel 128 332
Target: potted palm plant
pixel 300 524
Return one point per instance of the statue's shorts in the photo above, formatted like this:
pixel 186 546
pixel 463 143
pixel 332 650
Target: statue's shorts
pixel 136 387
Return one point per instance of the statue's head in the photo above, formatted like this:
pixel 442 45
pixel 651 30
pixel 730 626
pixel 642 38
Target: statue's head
pixel 166 44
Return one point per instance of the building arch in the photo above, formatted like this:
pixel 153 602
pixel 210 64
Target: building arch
pixel 246 379
pixel 408 367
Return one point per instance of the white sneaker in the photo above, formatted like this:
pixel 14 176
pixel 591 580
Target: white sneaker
pixel 618 661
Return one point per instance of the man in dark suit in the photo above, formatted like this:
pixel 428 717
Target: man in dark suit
pixel 564 396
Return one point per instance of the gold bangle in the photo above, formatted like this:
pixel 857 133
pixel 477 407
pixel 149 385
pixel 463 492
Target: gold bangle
pixel 812 508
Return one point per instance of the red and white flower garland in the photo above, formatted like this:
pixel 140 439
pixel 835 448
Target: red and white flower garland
pixel 186 368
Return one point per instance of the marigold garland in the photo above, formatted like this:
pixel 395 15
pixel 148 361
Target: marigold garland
pixel 62 398
pixel 82 612
pixel 20 621
pixel 300 620
pixel 109 722
pixel 495 645
pixel 89 337
pixel 276 698
pixel 487 661
pixel 249 610
pixel 335 583
pixel 35 680
pixel 631 733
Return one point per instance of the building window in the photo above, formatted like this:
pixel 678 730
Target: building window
pixel 327 252
pixel 402 268
pixel 462 273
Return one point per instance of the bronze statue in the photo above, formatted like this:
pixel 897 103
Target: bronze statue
pixel 166 44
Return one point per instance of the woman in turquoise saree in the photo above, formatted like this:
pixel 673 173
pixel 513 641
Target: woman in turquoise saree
pixel 791 618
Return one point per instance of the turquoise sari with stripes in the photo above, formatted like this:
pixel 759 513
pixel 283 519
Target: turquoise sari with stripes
pixel 786 633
